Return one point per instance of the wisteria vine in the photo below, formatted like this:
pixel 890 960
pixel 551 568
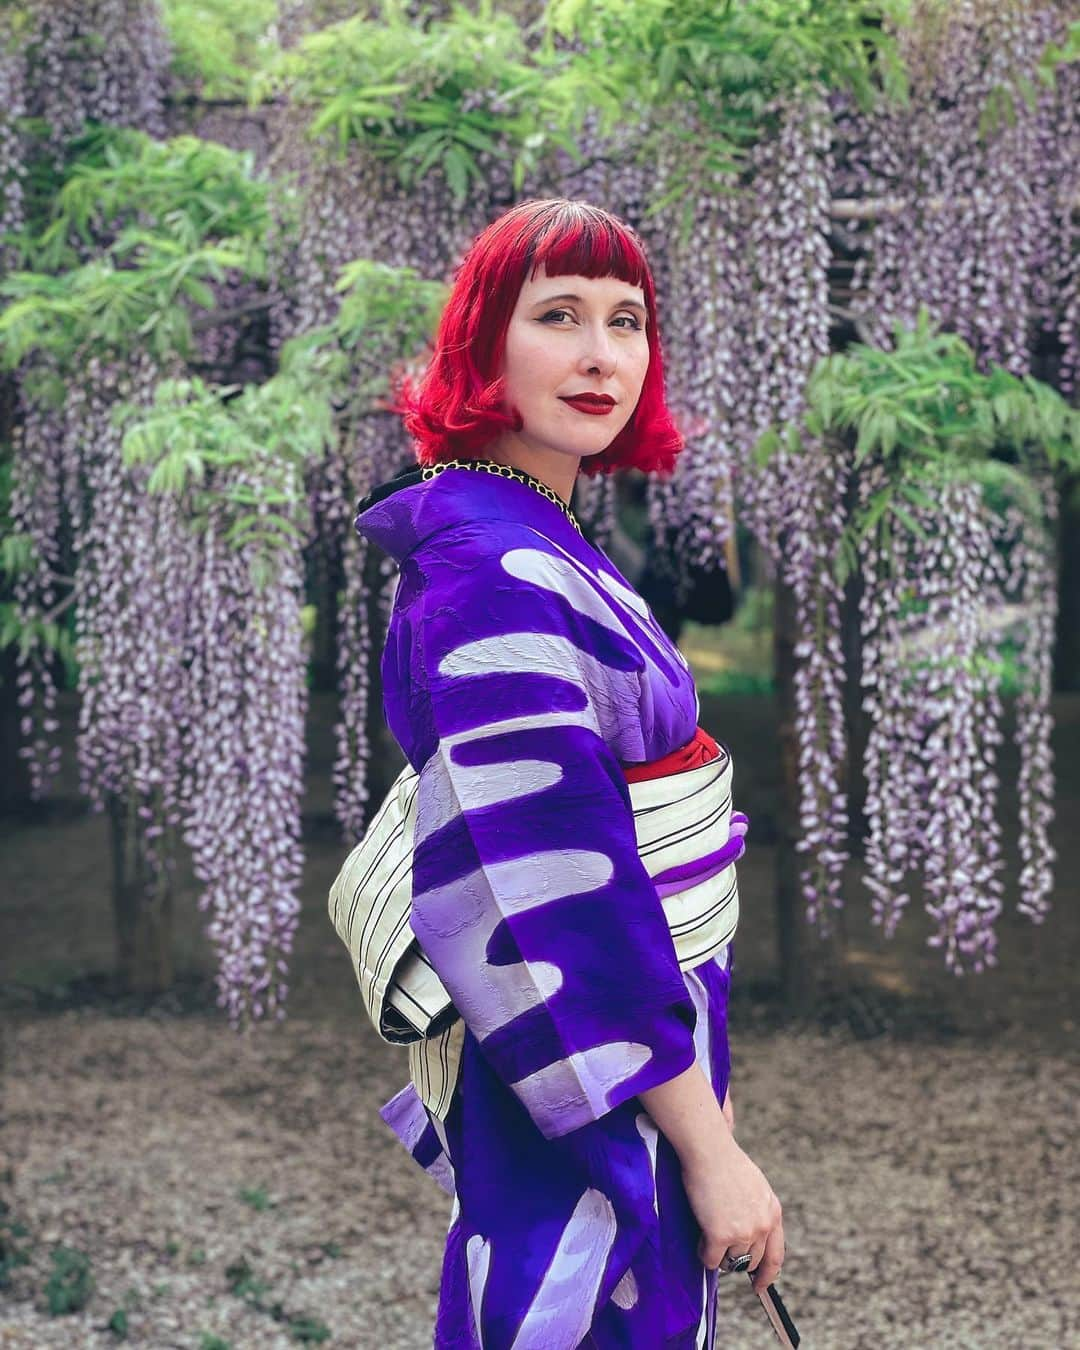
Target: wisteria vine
pixel 191 672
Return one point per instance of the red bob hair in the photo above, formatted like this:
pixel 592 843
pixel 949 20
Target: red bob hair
pixel 456 409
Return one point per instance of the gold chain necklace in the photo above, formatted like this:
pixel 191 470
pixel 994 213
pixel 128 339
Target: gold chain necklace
pixel 502 471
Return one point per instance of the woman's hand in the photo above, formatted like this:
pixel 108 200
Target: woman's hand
pixel 730 1197
pixel 737 1210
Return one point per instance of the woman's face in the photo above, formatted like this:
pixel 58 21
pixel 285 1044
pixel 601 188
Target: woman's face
pixel 573 335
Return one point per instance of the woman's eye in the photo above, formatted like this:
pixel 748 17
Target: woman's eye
pixel 633 322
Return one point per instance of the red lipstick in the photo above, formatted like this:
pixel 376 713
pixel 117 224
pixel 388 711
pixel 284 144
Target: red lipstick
pixel 594 404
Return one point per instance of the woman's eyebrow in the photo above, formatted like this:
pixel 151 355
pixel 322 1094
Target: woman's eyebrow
pixel 619 304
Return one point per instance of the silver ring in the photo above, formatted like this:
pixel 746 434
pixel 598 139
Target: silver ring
pixel 731 1265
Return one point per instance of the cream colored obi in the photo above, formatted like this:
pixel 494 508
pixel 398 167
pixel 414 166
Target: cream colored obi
pixel 688 839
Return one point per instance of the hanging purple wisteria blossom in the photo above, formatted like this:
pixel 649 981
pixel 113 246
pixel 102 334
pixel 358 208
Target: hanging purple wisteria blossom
pixel 56 74
pixel 816 485
pixel 192 670
pixel 709 295
pixel 95 60
pixel 12 154
pixel 1036 564
pixel 934 725
pixel 977 209
pixel 246 753
pixel 789 318
pixel 975 221
pixel 154 671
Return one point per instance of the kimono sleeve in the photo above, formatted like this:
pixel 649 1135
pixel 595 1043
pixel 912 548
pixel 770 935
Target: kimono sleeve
pixel 529 897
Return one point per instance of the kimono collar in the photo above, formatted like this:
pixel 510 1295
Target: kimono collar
pixel 404 512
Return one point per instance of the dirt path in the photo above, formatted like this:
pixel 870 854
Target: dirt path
pixel 911 1175
pixel 247 1190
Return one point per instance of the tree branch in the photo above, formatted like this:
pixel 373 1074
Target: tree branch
pixel 60 607
pixel 868 208
pixel 215 320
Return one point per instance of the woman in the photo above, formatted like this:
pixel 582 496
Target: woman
pixel 597 1183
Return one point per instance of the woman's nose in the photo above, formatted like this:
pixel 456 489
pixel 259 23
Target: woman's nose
pixel 598 349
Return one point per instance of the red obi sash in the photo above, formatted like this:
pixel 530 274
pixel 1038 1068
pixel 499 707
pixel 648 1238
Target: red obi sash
pixel 698 750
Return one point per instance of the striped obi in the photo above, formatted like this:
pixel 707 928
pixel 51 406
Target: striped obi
pixel 688 839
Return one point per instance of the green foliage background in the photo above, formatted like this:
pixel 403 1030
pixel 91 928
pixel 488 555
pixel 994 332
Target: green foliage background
pixel 126 237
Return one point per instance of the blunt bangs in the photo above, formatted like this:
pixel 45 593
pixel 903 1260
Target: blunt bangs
pixel 456 409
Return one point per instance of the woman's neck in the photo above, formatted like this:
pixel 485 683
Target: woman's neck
pixel 553 467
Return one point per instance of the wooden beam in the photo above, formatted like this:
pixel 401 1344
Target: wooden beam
pixel 869 208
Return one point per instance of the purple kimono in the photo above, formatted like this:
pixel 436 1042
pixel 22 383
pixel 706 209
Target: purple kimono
pixel 521 671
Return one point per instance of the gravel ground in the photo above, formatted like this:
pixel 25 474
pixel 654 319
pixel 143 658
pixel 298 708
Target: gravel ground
pixel 194 1167
pixel 164 1148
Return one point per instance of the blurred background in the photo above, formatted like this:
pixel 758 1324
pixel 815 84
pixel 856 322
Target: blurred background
pixel 223 227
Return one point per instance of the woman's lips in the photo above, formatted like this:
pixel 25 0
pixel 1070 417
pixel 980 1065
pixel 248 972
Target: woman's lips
pixel 588 406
